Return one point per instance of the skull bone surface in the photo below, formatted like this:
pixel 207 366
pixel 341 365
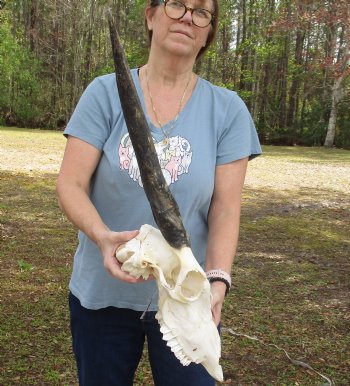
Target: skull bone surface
pixel 184 307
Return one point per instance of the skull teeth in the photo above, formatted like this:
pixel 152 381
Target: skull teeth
pixel 172 342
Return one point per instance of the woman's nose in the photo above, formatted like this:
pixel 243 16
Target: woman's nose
pixel 187 17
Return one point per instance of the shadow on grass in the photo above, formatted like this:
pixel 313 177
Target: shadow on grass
pixel 290 287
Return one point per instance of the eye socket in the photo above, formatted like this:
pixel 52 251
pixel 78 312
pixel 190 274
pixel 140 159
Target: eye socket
pixel 193 284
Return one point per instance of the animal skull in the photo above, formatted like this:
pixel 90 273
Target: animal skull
pixel 184 309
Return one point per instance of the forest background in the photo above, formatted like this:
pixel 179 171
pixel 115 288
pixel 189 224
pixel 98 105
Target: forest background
pixel 288 59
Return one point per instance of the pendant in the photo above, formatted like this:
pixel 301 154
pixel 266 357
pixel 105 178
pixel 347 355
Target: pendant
pixel 165 141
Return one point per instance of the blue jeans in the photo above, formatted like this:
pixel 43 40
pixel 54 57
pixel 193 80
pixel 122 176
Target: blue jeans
pixel 108 345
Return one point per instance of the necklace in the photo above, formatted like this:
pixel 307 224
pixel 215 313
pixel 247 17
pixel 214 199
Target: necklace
pixel 166 133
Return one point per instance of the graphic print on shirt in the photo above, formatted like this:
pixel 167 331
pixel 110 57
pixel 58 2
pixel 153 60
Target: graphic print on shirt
pixel 174 155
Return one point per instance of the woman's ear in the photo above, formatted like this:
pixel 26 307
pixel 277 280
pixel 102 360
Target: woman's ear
pixel 149 12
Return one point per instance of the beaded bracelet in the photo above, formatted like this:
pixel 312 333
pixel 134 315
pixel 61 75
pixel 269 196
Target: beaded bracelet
pixel 219 275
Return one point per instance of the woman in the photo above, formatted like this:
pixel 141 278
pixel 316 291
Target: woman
pixel 204 137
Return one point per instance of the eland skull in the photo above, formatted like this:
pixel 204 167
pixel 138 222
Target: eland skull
pixel 184 308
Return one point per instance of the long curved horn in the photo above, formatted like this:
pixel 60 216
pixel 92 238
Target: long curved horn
pixel 164 207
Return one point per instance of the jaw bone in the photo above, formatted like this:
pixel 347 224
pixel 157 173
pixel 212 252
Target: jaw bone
pixel 184 311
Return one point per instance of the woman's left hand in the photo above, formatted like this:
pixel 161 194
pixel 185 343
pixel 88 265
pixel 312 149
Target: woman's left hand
pixel 218 290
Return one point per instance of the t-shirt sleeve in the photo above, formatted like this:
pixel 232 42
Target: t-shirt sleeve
pixel 238 138
pixel 90 120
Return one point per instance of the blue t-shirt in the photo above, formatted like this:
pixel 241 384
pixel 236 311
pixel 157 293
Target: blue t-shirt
pixel 213 128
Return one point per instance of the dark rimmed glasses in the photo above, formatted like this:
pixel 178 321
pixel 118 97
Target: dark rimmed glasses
pixel 176 10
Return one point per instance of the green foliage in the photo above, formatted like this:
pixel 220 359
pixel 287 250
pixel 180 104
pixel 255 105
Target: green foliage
pixel 24 266
pixel 276 55
pixel 19 81
pixel 135 55
pixel 313 127
pixel 343 134
pixel 104 70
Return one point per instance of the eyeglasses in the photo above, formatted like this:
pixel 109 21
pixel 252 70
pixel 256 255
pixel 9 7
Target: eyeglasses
pixel 176 10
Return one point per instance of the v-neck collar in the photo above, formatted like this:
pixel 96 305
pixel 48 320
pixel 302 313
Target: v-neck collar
pixel 182 115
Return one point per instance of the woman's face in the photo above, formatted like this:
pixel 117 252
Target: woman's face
pixel 178 37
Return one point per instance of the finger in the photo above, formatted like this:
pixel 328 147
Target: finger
pixel 121 275
pixel 127 235
pixel 113 267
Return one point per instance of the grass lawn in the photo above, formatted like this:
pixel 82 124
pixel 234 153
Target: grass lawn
pixel 291 273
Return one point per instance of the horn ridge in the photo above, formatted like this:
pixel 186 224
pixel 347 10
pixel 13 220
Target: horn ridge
pixel 164 207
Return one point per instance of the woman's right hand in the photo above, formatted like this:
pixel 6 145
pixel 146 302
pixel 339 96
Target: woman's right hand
pixel 109 242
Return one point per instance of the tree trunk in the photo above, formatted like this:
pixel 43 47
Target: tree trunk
pixel 294 89
pixel 33 25
pixel 209 68
pixel 343 62
pixel 88 52
pixel 282 95
pixel 238 40
pixel 337 93
pixel 243 50
pixel 225 43
pixel 255 88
